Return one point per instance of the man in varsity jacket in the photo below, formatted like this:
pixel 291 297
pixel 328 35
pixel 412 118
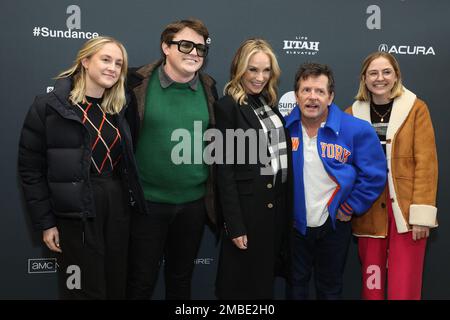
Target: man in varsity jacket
pixel 172 94
pixel 339 171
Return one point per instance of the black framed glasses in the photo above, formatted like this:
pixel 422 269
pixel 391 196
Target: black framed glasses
pixel 186 46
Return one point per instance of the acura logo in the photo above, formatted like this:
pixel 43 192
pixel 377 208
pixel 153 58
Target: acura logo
pixel 383 48
pixel 407 49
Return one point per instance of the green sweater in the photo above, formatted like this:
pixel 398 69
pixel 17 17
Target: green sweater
pixel 166 110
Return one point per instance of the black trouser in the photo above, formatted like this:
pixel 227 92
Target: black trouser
pixel 323 249
pixel 172 232
pixel 97 246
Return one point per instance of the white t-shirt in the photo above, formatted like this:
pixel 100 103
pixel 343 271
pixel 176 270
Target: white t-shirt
pixel 319 187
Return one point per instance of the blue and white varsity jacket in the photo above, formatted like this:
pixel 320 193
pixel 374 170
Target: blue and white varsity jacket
pixel 352 156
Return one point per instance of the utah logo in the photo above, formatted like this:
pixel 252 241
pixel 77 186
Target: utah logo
pixel 295 143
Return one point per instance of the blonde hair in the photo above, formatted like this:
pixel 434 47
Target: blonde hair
pixel 363 93
pixel 114 97
pixel 239 66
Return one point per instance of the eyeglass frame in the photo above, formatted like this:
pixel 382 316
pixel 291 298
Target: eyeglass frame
pixel 194 45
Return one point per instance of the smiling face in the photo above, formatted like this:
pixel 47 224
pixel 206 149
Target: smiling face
pixel 257 74
pixel 103 69
pixel 314 98
pixel 181 67
pixel 380 78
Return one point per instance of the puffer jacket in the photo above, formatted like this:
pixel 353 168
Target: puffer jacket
pixel 55 158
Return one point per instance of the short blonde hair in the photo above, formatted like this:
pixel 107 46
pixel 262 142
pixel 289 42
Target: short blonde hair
pixel 239 66
pixel 363 93
pixel 114 97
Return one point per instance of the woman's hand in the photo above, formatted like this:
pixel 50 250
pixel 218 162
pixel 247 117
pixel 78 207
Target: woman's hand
pixel 51 239
pixel 420 232
pixel 240 242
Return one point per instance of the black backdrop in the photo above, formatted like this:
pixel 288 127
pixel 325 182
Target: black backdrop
pixel 36 46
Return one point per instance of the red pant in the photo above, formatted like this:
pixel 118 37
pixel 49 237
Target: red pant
pixel 398 256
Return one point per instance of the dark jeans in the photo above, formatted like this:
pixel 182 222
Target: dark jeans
pixel 324 250
pixel 98 247
pixel 172 232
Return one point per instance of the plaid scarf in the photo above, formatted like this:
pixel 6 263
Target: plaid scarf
pixel 274 131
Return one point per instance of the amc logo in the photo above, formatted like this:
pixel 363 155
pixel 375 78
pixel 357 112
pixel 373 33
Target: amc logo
pixel 42 265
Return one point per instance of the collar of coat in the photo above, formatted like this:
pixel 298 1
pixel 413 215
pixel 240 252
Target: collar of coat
pixel 59 99
pixel 400 111
pixel 333 119
pixel 137 75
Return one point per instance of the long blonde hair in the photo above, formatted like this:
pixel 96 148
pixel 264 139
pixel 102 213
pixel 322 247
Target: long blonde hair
pixel 114 97
pixel 239 66
pixel 363 93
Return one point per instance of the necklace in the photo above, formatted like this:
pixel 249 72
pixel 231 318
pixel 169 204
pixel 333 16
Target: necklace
pixel 381 116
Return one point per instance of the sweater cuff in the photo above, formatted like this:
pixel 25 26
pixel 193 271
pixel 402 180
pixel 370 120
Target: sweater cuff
pixel 423 215
pixel 346 209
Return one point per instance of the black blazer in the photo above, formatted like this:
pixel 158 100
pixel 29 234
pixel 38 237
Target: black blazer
pixel 250 204
pixel 237 179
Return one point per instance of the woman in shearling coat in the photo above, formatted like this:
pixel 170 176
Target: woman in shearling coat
pixel 394 231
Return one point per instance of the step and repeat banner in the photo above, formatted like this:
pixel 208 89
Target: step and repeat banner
pixel 40 38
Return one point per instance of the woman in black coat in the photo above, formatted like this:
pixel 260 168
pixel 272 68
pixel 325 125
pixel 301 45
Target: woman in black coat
pixel 77 169
pixel 253 181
